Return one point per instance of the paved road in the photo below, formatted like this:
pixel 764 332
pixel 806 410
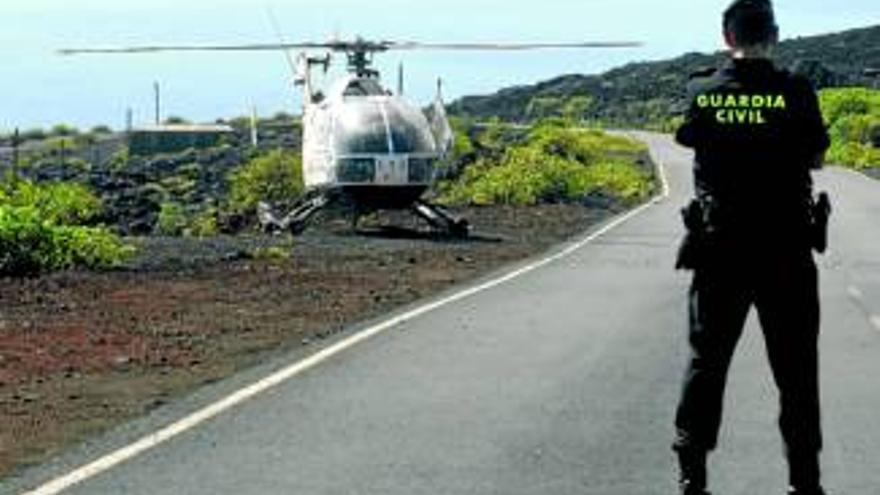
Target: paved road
pixel 562 381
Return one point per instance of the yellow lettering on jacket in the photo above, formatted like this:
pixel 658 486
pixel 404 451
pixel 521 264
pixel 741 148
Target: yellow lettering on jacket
pixel 741 109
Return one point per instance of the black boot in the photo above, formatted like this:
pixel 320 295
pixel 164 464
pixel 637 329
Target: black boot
pixel 692 465
pixel 810 491
pixel 689 489
pixel 804 474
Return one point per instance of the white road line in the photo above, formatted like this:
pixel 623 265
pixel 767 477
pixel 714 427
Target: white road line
pixel 152 440
pixel 854 292
pixel 859 298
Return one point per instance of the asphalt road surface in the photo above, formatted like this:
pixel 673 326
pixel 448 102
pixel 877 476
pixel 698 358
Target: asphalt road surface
pixel 561 381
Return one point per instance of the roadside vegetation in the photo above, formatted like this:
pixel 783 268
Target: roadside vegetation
pixel 554 162
pixel 274 177
pixel 853 119
pixel 51 227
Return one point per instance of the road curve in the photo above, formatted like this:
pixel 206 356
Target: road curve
pixel 561 381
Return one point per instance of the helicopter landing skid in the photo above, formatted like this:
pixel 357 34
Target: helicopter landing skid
pixel 295 221
pixel 441 219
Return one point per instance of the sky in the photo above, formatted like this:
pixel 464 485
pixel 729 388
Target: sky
pixel 39 88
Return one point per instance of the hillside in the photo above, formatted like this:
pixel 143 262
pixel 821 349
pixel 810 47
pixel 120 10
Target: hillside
pixel 647 92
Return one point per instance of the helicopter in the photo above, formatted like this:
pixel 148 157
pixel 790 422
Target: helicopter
pixel 363 146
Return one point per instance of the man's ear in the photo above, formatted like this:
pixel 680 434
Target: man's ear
pixel 774 37
pixel 730 39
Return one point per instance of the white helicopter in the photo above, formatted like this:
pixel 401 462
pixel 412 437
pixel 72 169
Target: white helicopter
pixel 362 144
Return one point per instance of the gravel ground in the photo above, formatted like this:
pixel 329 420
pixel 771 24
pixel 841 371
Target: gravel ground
pixel 83 352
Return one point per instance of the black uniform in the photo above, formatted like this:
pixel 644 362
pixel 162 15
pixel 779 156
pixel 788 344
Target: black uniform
pixel 756 131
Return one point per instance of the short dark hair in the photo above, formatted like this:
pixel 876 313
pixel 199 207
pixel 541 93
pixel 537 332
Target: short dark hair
pixel 751 22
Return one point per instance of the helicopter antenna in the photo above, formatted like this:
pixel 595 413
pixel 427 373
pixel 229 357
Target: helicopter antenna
pixel 275 26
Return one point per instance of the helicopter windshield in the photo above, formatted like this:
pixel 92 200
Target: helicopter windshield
pixel 410 131
pixel 380 126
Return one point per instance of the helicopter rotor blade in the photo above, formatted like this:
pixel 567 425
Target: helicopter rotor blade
pixel 412 45
pixel 357 45
pixel 199 48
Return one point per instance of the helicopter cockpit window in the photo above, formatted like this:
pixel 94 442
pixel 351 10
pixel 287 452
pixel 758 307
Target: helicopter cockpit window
pixel 410 132
pixel 360 129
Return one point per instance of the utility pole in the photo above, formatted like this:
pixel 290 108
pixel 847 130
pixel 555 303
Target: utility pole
pixel 158 101
pixel 255 140
pixel 16 139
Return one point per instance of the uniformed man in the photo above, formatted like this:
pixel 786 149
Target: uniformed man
pixel 757 133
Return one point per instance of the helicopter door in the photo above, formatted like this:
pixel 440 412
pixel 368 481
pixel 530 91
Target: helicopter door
pixel 391 169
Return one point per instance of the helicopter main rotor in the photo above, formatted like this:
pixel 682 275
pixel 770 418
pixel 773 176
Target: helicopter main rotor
pixel 359 51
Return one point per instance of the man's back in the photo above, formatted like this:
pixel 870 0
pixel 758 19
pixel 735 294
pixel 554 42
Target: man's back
pixel 755 130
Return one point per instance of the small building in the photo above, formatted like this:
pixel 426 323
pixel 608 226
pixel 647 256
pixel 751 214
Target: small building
pixel 173 138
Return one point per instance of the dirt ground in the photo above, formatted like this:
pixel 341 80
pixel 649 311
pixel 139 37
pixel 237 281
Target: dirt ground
pixel 83 352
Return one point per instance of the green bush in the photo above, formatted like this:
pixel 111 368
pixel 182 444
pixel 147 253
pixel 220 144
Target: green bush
pixel 179 186
pixel 119 161
pixel 461 144
pixel 61 203
pixel 273 177
pixel 555 163
pixel 576 107
pixel 64 130
pixel 853 119
pixel 203 223
pixel 30 245
pixel 172 219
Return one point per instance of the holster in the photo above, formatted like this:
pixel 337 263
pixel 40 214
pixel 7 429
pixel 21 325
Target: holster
pixel 692 248
pixel 820 213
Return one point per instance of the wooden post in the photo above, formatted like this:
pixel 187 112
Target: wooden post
pixel 16 139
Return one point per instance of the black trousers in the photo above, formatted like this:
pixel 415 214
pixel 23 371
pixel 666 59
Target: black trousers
pixel 784 289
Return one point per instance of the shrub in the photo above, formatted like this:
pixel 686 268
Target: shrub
pixel 64 130
pixel 576 107
pixel 179 186
pixel 119 161
pixel 273 177
pixel 175 220
pixel 461 144
pixel 172 219
pixel 203 223
pixel 31 243
pixel 853 119
pixel 61 203
pixel 556 163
